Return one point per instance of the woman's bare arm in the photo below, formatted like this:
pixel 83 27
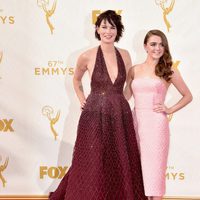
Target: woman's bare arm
pixel 81 68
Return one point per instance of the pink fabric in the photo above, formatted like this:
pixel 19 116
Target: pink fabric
pixel 152 133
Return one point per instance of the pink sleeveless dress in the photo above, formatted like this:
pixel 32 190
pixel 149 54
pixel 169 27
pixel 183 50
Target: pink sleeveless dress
pixel 152 133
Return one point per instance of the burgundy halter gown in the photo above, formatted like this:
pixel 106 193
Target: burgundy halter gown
pixel 106 163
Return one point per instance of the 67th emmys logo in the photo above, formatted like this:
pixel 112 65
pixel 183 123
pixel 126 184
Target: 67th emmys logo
pixel 2 168
pixel 48 112
pixel 44 4
pixel 54 67
pixel 95 14
pixel 167 8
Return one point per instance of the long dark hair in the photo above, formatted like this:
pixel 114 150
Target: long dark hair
pixel 114 19
pixel 164 67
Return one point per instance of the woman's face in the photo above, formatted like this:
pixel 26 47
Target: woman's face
pixel 107 32
pixel 154 47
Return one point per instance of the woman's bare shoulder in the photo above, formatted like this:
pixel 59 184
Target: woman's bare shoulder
pixel 137 67
pixel 123 52
pixel 134 69
pixel 88 53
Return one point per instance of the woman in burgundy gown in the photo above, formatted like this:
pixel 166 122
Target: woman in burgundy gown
pixel 106 162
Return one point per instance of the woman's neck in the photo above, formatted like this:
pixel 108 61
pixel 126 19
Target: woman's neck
pixel 151 62
pixel 107 48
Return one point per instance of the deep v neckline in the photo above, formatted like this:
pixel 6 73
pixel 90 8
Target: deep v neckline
pixel 104 62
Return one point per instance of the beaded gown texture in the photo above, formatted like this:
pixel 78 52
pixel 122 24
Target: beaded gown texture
pixel 152 130
pixel 106 163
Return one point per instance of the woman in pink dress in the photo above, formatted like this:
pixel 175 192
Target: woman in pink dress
pixel 149 82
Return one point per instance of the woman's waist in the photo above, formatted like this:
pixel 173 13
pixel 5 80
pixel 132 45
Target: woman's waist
pixel 106 93
pixel 147 102
pixel 107 99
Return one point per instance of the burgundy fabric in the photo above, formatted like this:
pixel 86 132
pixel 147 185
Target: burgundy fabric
pixel 106 163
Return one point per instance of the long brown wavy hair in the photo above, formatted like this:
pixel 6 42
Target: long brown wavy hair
pixel 164 67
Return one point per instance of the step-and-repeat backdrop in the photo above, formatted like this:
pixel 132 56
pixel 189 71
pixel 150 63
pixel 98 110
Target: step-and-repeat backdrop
pixel 40 41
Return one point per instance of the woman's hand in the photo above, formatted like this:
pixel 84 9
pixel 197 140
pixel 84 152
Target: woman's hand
pixel 159 108
pixel 83 102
